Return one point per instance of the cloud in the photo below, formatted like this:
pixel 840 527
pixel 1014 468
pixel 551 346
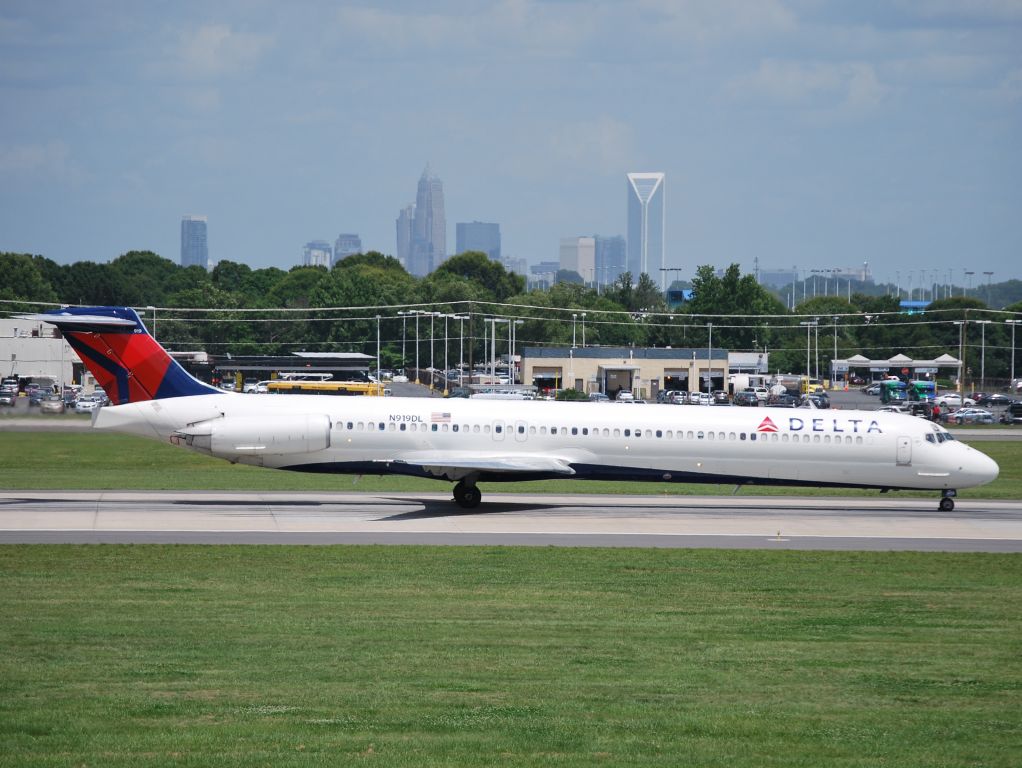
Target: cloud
pixel 216 49
pixel 52 160
pixel 849 85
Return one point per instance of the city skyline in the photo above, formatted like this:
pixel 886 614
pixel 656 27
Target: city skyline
pixel 812 134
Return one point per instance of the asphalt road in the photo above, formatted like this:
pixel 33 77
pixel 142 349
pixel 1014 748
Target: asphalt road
pixel 742 522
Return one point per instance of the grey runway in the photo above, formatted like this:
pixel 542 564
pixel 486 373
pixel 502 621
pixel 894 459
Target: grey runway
pixel 742 522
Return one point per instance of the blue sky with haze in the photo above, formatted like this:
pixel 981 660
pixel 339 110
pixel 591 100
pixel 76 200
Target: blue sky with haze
pixel 810 133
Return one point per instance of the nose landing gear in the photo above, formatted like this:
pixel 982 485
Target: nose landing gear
pixel 947 500
pixel 467 496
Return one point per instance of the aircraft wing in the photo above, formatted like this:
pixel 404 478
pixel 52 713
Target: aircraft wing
pixel 455 466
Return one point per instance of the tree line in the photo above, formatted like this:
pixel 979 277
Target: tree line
pixel 234 309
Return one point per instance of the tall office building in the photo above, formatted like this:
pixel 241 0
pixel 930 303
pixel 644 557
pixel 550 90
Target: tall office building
pixel 578 255
pixel 478 236
pixel 427 236
pixel 403 226
pixel 611 258
pixel 345 246
pixel 646 225
pixel 194 251
pixel 317 253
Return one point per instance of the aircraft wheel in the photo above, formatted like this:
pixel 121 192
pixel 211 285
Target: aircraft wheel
pixel 467 496
pixel 947 504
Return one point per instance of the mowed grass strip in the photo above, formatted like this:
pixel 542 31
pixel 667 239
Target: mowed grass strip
pixel 109 461
pixel 414 656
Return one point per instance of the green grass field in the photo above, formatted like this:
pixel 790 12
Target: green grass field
pixel 414 656
pixel 104 461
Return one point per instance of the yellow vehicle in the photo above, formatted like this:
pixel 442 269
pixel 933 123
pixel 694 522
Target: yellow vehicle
pixel 811 386
pixel 292 387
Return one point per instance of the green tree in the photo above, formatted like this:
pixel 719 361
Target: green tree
pixel 23 280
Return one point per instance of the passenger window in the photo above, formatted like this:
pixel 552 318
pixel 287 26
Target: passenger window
pixel 486 429
pixel 350 425
pixel 434 427
pixel 689 435
pixel 606 432
pixel 858 440
pixel 585 430
pixel 731 436
pixel 532 430
pixel 649 433
pixel 542 430
pixel 659 433
pixel 498 429
pixel 404 427
pixel 699 435
pixel 628 433
pixel 382 426
pixel 475 428
pixel 443 428
pixel 816 438
pixel 574 430
pixel 752 436
pixel 741 436
pixel 454 427
pixel 391 425
pixel 670 434
pixel 709 436
pixel 617 433
pixel 826 439
pixel 784 438
pixel 521 430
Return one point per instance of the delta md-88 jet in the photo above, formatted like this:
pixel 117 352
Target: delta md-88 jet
pixel 471 441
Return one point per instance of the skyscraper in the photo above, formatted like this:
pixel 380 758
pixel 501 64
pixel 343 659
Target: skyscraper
pixel 646 224
pixel 194 251
pixel 478 236
pixel 317 253
pixel 428 238
pixel 578 255
pixel 346 245
pixel 403 225
pixel 611 258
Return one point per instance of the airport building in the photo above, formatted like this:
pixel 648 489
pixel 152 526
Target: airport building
pixel 643 371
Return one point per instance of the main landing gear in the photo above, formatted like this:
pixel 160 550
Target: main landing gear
pixel 947 500
pixel 467 496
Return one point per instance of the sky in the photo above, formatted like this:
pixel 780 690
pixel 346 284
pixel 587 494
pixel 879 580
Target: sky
pixel 808 133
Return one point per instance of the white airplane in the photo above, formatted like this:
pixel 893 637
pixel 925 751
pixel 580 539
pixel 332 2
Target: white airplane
pixel 471 441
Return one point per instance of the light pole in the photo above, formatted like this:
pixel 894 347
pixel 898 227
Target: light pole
pixel 1012 323
pixel 709 359
pixel 989 275
pixel 446 368
pixel 417 313
pixel 154 320
pixel 377 354
pixel 432 369
pixel 573 318
pixel 983 354
pixel 514 340
pixel 816 333
pixel 809 345
pixel 961 354
pixel 583 330
pixel 404 335
pixel 832 377
pixel 968 277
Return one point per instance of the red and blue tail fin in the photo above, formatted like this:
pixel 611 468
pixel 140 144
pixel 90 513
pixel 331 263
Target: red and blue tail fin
pixel 117 349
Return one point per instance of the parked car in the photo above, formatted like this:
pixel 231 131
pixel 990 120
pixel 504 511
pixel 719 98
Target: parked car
pixel 783 401
pixel 953 400
pixel 761 392
pixel 624 395
pixel 703 398
pixel 598 397
pixel 747 399
pixel 1012 414
pixel 816 400
pixel 872 389
pixel 894 409
pixel 8 398
pixel 994 400
pixel 972 416
pixel 51 404
pixel 87 404
pixel 720 397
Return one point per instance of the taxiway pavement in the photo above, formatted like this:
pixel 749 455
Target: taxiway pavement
pixel 729 522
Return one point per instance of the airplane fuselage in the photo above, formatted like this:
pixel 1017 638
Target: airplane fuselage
pixel 458 439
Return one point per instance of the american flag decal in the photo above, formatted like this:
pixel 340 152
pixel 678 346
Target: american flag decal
pixel 440 418
pixel 766 426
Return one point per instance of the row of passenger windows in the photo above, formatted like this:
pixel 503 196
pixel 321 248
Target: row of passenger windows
pixel 635 434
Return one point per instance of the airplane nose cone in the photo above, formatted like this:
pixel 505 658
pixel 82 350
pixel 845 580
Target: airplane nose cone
pixel 980 468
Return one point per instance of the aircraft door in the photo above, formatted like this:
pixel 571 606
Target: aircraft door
pixel 497 430
pixel 521 431
pixel 904 451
